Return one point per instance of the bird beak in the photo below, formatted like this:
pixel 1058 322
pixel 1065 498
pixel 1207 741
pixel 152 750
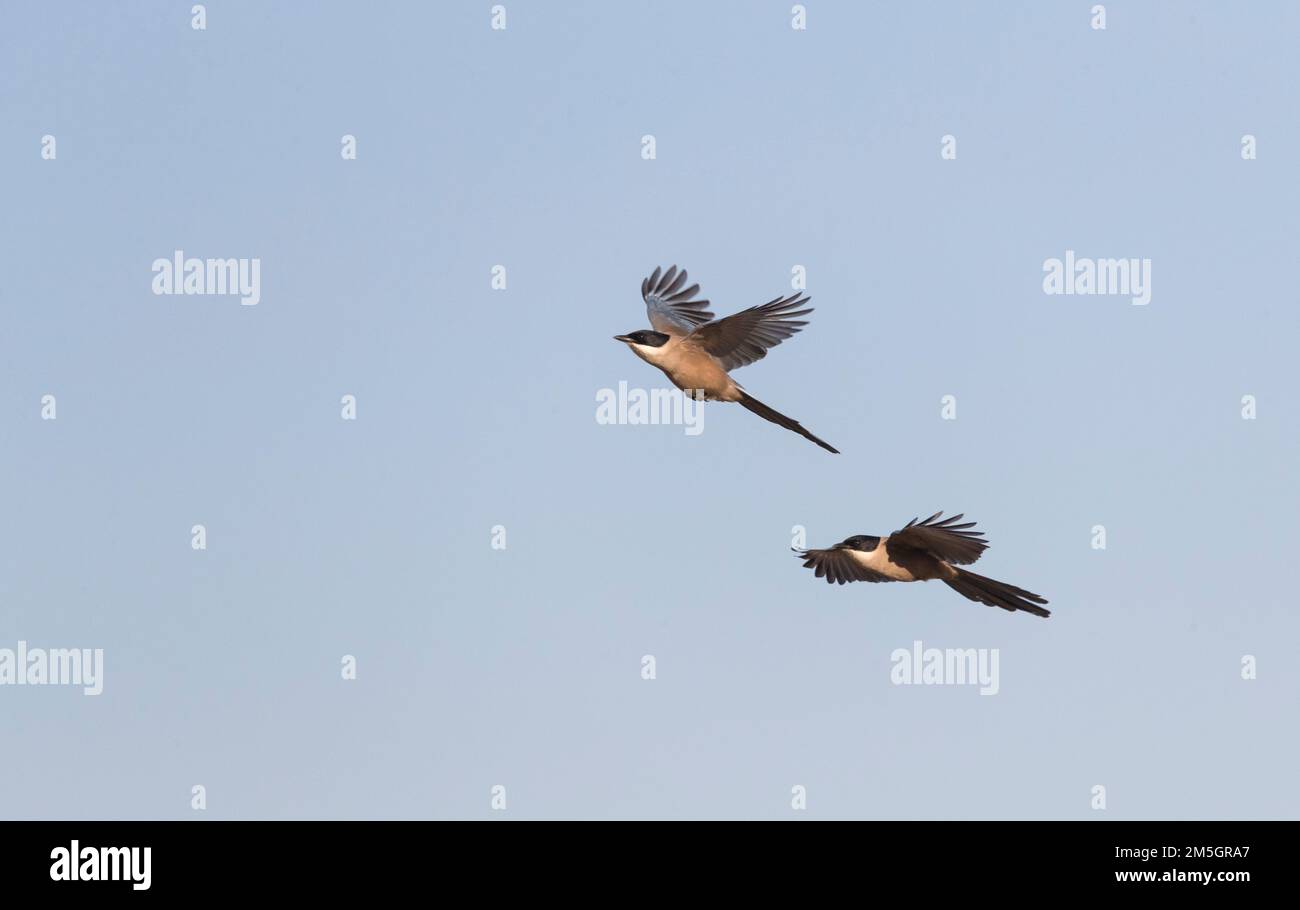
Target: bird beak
pixel 623 338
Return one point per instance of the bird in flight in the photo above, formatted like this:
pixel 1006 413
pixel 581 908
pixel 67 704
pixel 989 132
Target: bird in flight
pixel 697 352
pixel 921 551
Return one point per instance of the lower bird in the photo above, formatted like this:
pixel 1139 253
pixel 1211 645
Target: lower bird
pixel 922 551
pixel 697 352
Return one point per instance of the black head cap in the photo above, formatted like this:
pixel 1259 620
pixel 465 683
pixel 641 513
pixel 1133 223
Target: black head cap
pixel 864 542
pixel 645 337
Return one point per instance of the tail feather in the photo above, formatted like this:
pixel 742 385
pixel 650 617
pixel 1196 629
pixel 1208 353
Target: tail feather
pixel 996 593
pixel 762 410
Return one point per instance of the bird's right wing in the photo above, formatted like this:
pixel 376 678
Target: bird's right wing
pixel 838 566
pixel 947 540
pixel 669 304
pixel 744 337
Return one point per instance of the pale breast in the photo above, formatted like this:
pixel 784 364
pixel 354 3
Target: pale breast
pixel 690 368
pixel 878 561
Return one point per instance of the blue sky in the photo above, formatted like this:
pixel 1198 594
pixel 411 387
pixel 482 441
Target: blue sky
pixel 475 408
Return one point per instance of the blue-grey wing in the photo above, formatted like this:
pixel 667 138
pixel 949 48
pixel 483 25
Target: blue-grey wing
pixel 670 304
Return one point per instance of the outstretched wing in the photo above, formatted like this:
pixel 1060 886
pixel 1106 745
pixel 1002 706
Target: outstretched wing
pixel 669 305
pixel 947 540
pixel 838 566
pixel 746 336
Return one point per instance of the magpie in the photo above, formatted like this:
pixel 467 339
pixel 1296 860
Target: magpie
pixel 697 352
pixel 921 551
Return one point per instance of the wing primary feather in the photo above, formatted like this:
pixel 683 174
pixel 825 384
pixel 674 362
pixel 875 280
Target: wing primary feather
pixel 663 282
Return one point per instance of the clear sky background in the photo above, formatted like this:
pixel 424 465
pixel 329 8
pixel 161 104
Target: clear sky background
pixel 521 667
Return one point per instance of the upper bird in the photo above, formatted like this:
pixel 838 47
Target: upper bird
pixel 919 552
pixel 697 352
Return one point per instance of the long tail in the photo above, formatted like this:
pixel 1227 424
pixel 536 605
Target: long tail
pixel 762 410
pixel 996 593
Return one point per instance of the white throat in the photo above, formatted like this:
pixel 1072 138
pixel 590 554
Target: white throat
pixel 647 352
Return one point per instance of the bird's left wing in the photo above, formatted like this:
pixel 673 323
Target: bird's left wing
pixel 746 336
pixel 949 541
pixel 838 566
pixel 669 305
